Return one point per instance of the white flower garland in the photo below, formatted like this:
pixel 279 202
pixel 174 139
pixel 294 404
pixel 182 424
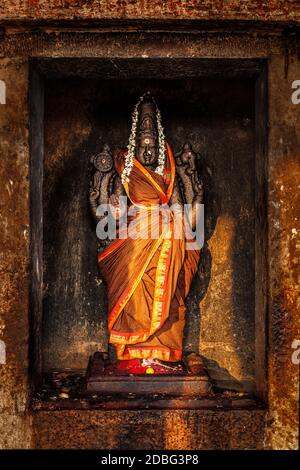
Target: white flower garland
pixel 129 160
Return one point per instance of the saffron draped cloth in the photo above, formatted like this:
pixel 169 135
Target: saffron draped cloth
pixel 148 278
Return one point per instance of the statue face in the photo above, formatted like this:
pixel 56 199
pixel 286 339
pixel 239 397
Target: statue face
pixel 146 149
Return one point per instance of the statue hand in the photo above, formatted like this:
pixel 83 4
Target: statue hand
pixel 114 200
pixel 188 156
pixel 198 191
pixel 117 210
pixel 97 179
pixel 94 193
pixel 198 186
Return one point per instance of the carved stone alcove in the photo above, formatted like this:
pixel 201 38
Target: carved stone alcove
pixel 220 106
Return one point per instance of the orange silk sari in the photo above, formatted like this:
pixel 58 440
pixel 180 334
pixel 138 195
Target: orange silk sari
pixel 148 278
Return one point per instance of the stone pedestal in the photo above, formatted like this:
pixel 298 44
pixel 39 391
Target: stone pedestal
pixel 189 384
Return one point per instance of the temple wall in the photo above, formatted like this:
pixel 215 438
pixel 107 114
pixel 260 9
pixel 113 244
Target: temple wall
pixel 14 326
pixel 277 426
pixel 277 10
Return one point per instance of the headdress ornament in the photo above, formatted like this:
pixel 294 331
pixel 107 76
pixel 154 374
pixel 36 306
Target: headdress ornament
pixel 129 160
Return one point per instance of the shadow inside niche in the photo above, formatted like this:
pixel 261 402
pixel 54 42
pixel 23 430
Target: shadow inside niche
pixel 222 380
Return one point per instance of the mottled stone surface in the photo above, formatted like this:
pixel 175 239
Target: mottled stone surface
pixel 14 223
pixel 150 430
pixel 170 9
pixel 284 229
pixel 278 427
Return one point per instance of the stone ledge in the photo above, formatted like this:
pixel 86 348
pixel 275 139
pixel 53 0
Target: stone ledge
pixel 210 9
pixel 216 402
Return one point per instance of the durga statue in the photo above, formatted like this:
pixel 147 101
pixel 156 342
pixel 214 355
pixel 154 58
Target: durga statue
pixel 148 278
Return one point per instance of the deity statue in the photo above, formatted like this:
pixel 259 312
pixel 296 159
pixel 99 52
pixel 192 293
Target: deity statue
pixel 148 278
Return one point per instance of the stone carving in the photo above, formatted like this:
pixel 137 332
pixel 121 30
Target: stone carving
pixel 147 337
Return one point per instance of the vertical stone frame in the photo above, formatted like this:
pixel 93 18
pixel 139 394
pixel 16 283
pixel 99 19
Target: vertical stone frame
pixel 261 231
pixel 36 147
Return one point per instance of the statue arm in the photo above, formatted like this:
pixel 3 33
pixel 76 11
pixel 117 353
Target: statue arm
pixel 119 188
pixel 176 197
pixel 102 185
pixel 94 195
pixel 192 186
pixel 198 199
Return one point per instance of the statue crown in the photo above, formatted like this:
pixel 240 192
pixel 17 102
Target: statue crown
pixel 147 115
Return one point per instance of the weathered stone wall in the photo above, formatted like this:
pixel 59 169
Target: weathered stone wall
pixel 279 429
pixel 14 235
pixel 177 429
pixel 270 10
pixel 284 200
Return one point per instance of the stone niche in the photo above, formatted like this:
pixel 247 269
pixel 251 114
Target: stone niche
pixel 77 105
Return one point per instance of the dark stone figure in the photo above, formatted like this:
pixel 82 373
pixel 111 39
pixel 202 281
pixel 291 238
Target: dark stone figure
pixel 149 160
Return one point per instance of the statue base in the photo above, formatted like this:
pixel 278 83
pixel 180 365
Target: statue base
pixel 191 381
